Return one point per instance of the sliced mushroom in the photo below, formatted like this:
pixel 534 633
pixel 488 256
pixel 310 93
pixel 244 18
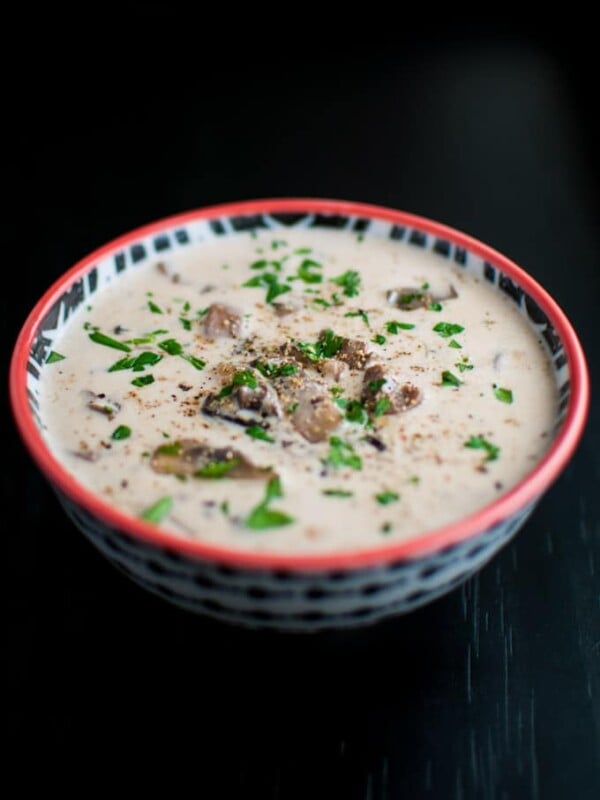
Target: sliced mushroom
pixel 355 353
pixel 315 416
pixel 244 405
pixel 221 320
pixel 377 384
pixel 200 460
pixel 410 297
pixel 102 404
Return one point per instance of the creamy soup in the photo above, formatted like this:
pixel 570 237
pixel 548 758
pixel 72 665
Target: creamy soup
pixel 298 390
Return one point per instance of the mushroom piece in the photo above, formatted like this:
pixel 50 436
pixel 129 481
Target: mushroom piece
pixel 378 385
pixel 198 459
pixel 315 415
pixel 244 405
pixel 221 320
pixel 102 404
pixel 409 297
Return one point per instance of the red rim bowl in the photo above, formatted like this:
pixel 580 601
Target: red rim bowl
pixel 527 491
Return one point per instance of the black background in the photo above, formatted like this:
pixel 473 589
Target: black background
pixel 120 118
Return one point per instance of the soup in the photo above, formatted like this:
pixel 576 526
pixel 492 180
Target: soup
pixel 298 390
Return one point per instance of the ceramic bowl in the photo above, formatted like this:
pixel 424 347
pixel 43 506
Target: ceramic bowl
pixel 306 592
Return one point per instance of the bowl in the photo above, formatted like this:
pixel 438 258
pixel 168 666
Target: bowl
pixel 306 590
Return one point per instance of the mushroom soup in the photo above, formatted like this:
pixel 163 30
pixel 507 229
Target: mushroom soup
pixel 299 390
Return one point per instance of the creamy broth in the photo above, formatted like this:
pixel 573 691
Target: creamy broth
pixel 387 392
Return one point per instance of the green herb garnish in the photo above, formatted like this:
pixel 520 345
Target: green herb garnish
pixel 122 432
pixel 143 380
pixel 269 370
pixel 360 313
pixel 455 344
pixel 379 338
pixel 504 395
pixel 394 327
pixel 136 363
pixel 256 432
pixel 263 264
pixel 326 346
pixel 349 281
pixel 337 493
pixel 261 516
pixel 375 386
pixel 216 469
pixel 463 365
pixel 243 378
pixel 381 406
pixel 387 497
pixel 53 357
pixel 435 306
pixel 158 511
pixel 447 329
pixel 342 454
pixel 154 308
pixel 306 272
pixel 269 281
pixel 108 341
pixel 479 443
pixel 448 379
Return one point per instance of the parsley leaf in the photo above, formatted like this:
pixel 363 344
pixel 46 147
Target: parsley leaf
pixel 349 281
pixel 479 443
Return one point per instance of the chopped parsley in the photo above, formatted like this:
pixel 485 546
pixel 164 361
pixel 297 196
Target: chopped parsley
pixel 122 432
pixel 143 380
pixel 349 281
pixel 216 469
pixel 354 410
pixel 375 386
pixel 386 527
pixel 453 343
pixel 326 346
pixel 379 338
pixel 449 379
pixel 158 511
pixel 263 264
pixel 148 338
pixel 171 449
pixel 186 324
pixel 244 378
pixel 261 516
pixel 463 365
pixel 479 443
pixel 394 327
pixel 360 313
pixel 504 395
pixel 447 329
pixel 306 272
pixel 382 406
pixel 53 356
pixel 387 497
pixel 108 341
pixel 136 363
pixel 342 454
pixel 256 432
pixel 269 281
pixel 269 370
pixel 154 308
pixel 319 301
pixel 435 306
pixel 337 493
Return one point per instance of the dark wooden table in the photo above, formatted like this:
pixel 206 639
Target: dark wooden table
pixel 492 692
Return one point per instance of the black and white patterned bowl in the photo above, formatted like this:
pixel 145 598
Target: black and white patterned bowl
pixel 298 592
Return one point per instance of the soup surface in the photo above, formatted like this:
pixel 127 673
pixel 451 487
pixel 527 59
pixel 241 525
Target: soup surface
pixel 298 390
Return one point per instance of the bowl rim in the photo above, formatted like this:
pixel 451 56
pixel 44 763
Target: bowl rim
pixel 525 493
